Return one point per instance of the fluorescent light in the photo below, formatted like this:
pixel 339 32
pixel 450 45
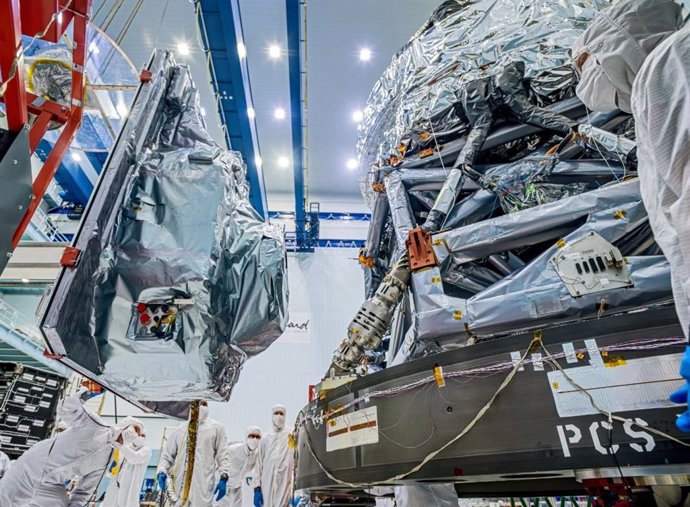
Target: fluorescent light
pixel 183 48
pixel 76 157
pixel 203 111
pixel 283 162
pixel 352 164
pixel 25 280
pixel 357 116
pixel 251 113
pixel 274 51
pixel 258 162
pixel 121 110
pixel 279 113
pixel 365 54
pixel 241 50
pixel 93 48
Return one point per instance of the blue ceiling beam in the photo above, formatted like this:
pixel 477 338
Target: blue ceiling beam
pixel 220 24
pixel 293 10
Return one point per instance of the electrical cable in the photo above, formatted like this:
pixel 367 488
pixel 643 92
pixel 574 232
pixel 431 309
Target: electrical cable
pixel 508 379
pixel 638 344
pixel 13 68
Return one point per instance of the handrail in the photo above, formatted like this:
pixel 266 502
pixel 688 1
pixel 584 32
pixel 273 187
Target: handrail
pixel 17 322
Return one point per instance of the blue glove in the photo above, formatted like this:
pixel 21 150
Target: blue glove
pixel 221 488
pixel 258 498
pixel 162 477
pixel 681 395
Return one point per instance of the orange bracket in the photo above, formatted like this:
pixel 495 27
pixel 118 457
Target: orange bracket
pixel 419 249
pixel 70 257
pixel 145 76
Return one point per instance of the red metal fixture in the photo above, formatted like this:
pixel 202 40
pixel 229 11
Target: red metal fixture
pixel 419 248
pixel 19 103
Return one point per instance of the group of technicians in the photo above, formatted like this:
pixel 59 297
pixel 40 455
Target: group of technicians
pixel 66 470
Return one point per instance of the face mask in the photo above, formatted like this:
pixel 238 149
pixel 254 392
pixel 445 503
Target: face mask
pixel 278 421
pixel 252 443
pixel 129 435
pixel 595 89
pixel 203 412
pixel 139 442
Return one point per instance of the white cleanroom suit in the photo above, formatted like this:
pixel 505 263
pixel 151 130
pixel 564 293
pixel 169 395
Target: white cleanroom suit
pixel 210 460
pixel 38 477
pixel 638 52
pixel 428 495
pixel 5 464
pixel 125 487
pixel 275 463
pixel 242 456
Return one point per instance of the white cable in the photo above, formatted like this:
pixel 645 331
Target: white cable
pixel 433 454
pixel 523 360
pixel 606 413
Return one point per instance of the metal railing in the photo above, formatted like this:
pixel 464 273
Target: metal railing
pixel 20 324
pixel 43 222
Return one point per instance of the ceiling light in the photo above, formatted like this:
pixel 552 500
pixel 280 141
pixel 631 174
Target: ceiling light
pixel 283 162
pixel 76 157
pixel 352 164
pixel 183 48
pixel 25 280
pixel 365 54
pixel 121 110
pixel 258 162
pixel 279 113
pixel 241 50
pixel 203 111
pixel 93 48
pixel 357 116
pixel 274 51
pixel 251 113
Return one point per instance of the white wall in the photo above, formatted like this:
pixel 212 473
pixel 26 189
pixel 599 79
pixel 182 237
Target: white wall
pixel 326 288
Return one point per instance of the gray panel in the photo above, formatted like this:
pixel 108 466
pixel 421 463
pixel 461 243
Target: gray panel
pixel 520 432
pixel 15 191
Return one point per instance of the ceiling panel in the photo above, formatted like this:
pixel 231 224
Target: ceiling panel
pixel 338 83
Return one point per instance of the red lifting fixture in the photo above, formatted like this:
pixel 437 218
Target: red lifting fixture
pixel 48 19
pixel 419 249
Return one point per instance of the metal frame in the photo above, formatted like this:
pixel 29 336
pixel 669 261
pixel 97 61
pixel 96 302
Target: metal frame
pixel 220 24
pixel 514 449
pixel 19 103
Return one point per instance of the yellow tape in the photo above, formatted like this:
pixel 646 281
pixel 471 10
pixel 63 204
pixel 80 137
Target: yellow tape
pixel 438 375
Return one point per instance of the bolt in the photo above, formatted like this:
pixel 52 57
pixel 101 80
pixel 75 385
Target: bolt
pixel 9 254
pixel 14 162
pixel 21 207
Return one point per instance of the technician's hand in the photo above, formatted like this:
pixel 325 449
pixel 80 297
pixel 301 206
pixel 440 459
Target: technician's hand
pixel 162 478
pixel 681 395
pixel 221 488
pixel 258 498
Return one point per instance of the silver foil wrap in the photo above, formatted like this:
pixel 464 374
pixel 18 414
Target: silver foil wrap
pixel 466 40
pixel 179 281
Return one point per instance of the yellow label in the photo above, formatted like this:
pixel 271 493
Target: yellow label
pixel 292 443
pixel 614 361
pixel 560 243
pixel 457 315
pixel 436 279
pixel 438 375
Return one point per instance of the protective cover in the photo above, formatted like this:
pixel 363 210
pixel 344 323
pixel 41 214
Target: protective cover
pixel 411 107
pixel 474 128
pixel 178 281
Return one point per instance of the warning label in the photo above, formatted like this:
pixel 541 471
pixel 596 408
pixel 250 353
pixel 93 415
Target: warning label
pixel 353 429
